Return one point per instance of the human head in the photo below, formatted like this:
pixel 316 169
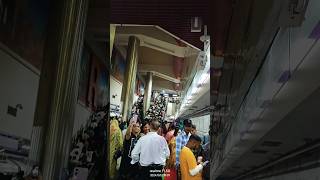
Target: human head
pixel 172 126
pixel 176 130
pixel 194 142
pixel 35 171
pixel 136 128
pixel 164 128
pixel 154 125
pixel 187 123
pixel 194 129
pixel 120 118
pixel 145 128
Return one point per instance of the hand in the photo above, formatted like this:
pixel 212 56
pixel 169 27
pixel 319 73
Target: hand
pixel 205 163
pixel 200 159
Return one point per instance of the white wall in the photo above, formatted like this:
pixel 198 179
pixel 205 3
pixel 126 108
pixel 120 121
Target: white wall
pixel 115 89
pixel 202 123
pixel 19 85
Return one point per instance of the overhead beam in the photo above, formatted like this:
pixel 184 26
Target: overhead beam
pixel 165 88
pixel 161 75
pixel 161 29
pixel 156 44
pixel 165 69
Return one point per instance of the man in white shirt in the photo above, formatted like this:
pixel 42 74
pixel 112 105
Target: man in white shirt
pixel 151 151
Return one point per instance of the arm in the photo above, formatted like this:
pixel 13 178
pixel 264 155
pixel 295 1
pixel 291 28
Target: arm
pixel 120 139
pixel 166 149
pixel 196 170
pixel 128 132
pixel 178 148
pixel 135 154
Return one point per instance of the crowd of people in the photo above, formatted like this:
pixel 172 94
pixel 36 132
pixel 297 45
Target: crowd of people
pixel 154 149
pixel 137 107
pixel 158 107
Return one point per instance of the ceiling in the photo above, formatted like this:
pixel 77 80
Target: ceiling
pixel 97 34
pixel 158 53
pixel 195 109
pixel 175 17
pixel 300 127
pixel 98 20
pixel 153 57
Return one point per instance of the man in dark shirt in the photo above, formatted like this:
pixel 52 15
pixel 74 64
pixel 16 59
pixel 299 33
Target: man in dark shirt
pixel 128 170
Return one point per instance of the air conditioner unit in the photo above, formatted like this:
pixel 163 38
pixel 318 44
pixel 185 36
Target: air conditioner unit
pixel 293 13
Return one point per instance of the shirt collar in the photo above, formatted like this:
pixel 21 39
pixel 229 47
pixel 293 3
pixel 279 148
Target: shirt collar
pixel 184 133
pixel 151 133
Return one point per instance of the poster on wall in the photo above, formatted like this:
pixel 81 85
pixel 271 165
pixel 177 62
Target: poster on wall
pixel 84 75
pixel 98 86
pixel 23 26
pixel 102 90
pixel 139 86
pixel 118 65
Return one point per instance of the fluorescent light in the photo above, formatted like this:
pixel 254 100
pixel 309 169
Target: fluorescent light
pixel 203 78
pixel 194 90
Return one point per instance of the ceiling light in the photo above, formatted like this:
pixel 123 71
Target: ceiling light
pixel 203 78
pixel 194 90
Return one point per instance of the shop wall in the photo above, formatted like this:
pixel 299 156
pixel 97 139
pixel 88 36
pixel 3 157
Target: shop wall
pixel 19 85
pixel 115 91
pixel 23 28
pixel 93 85
pixel 202 123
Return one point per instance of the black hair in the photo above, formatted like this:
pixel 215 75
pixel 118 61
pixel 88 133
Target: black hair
pixel 176 130
pixel 187 123
pixel 194 126
pixel 172 126
pixel 144 123
pixel 164 128
pixel 195 137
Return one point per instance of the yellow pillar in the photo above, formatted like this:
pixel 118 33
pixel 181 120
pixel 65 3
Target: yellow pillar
pixel 130 76
pixel 58 86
